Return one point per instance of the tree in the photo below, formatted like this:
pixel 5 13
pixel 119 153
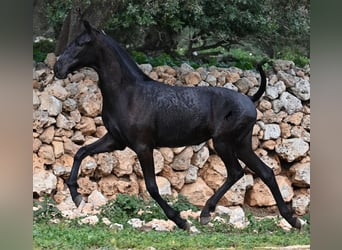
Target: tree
pixel 201 26
pixel 97 12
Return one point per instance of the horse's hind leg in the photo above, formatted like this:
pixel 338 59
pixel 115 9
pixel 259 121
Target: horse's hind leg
pixel 234 173
pixel 246 154
pixel 104 144
pixel 145 156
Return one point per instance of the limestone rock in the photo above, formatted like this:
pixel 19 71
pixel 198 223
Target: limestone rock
pixel 288 101
pixel 236 215
pixel 136 223
pixel 269 116
pixel 36 100
pixel 167 154
pixel 301 89
pixel 300 174
pixel 57 90
pixel 158 161
pixel 192 78
pixel 244 84
pixel 274 91
pixel 301 201
pixel 126 159
pixel 64 122
pixel 51 104
pixel 91 220
pixel 46 153
pixel 214 173
pixel 44 182
pixel 86 186
pixel 200 157
pixel 105 164
pixel 88 166
pixel 271 131
pixel 283 65
pixel 285 130
pixel 159 225
pixel 97 199
pixel 47 135
pixel 164 185
pixel 294 119
pixel 107 186
pixel 90 104
pixel 236 194
pixel 191 174
pixel 232 77
pixel 306 122
pixel 211 80
pixel 182 160
pixel 176 178
pixel 260 195
pixel 58 148
pixel 197 193
pixel 146 68
pixel 128 185
pixel 36 144
pixel 69 105
pixel 86 126
pixel 292 149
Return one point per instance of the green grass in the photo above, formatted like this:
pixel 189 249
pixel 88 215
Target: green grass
pixel 69 234
pixel 66 235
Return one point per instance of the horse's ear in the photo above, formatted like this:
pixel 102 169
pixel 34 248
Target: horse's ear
pixel 87 26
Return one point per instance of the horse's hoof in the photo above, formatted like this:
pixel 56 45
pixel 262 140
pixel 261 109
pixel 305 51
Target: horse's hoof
pixel 205 220
pixel 187 226
pixel 300 224
pixel 78 200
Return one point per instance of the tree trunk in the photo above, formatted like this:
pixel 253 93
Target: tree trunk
pixel 97 13
pixel 40 21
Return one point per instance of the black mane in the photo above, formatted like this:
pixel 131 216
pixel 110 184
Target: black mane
pixel 125 60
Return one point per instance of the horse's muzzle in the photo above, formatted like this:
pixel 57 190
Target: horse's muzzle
pixel 57 69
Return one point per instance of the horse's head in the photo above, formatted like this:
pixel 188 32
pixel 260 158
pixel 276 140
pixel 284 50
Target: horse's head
pixel 78 54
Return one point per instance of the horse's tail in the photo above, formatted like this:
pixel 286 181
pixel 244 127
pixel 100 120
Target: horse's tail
pixel 263 81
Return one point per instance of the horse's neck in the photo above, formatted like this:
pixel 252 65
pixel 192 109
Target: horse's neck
pixel 113 76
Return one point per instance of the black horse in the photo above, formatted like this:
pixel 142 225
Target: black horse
pixel 143 114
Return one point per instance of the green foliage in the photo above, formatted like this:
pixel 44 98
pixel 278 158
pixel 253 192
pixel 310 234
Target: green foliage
pixel 56 12
pixel 172 27
pixel 122 208
pixel 125 207
pixel 162 59
pixel 46 210
pixel 295 56
pixel 70 235
pixel 244 59
pixel 41 49
pixel 262 233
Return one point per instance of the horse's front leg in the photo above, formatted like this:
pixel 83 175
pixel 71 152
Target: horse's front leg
pixel 145 156
pixel 104 144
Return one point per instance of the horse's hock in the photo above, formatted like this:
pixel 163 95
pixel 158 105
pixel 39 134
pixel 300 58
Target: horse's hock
pixel 67 115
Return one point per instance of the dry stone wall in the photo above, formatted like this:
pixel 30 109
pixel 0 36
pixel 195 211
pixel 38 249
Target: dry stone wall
pixel 67 116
